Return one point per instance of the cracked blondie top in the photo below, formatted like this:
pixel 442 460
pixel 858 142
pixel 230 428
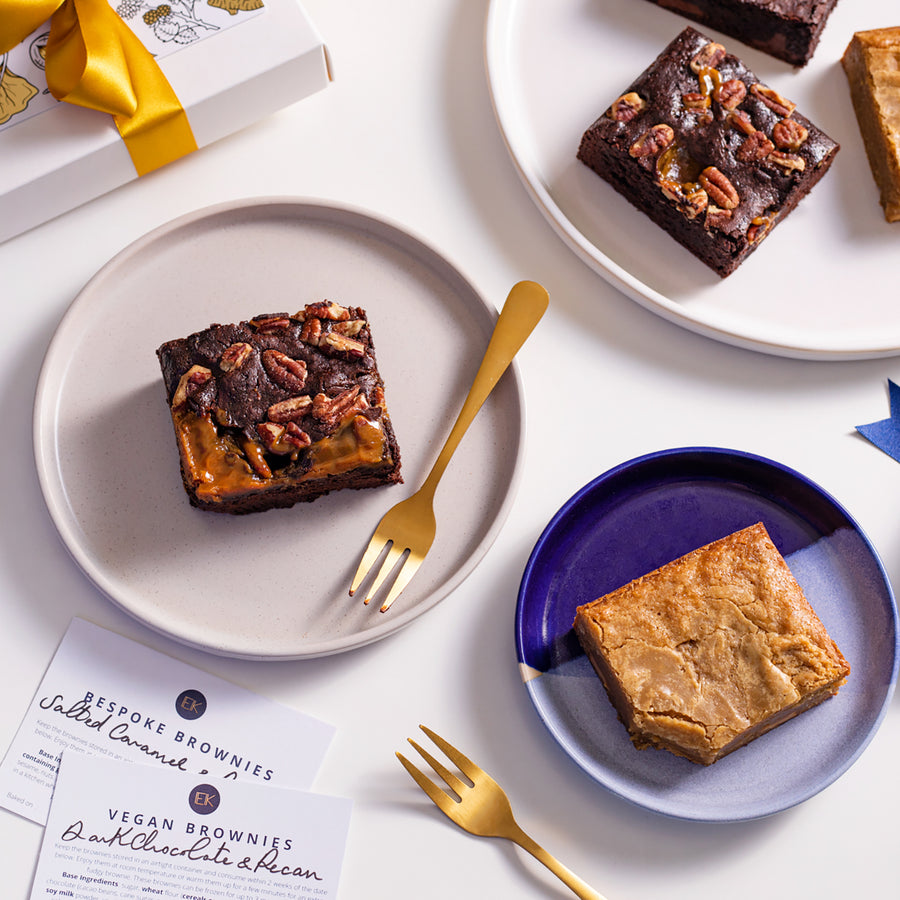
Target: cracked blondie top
pixel 279 409
pixel 710 651
pixel 872 65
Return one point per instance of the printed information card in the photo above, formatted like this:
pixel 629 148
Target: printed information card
pixel 123 830
pixel 105 695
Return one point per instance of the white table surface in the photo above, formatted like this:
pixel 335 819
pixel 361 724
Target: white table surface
pixel 406 130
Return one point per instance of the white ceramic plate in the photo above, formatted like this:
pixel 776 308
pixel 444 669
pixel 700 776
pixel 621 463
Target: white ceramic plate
pixel 815 289
pixel 272 585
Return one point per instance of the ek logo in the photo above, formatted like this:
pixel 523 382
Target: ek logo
pixel 190 704
pixel 204 799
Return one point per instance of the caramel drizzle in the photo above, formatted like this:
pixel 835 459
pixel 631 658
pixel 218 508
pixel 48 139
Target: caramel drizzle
pixel 219 467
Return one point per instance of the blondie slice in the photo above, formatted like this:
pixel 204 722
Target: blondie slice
pixel 712 650
pixel 872 64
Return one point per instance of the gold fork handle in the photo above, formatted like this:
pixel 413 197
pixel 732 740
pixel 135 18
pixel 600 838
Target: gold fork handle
pixel 570 879
pixel 524 306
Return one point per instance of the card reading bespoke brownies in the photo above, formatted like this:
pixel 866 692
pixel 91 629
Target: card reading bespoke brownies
pixel 708 152
pixel 279 409
pixel 712 650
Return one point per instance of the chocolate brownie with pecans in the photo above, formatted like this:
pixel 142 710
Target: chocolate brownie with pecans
pixel 279 409
pixel 786 29
pixel 707 151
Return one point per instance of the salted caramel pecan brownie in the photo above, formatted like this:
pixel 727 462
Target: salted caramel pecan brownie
pixel 279 409
pixel 707 151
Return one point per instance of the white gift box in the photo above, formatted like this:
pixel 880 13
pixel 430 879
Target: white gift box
pixel 57 160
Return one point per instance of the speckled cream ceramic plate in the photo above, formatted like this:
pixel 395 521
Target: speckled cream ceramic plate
pixel 813 289
pixel 272 585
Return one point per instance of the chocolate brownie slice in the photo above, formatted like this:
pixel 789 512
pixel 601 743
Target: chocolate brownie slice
pixel 279 409
pixel 786 29
pixel 707 151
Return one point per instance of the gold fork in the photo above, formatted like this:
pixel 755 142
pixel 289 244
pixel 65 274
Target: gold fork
pixel 483 808
pixel 410 525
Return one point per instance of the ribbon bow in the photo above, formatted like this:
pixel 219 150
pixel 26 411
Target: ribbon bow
pixel 94 59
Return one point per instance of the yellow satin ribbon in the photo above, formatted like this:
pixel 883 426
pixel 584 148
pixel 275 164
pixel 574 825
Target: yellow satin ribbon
pixel 94 59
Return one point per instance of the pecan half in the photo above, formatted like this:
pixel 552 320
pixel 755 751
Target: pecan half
pixel 787 162
pixel 189 384
pixel 284 371
pixel 311 331
pixel 626 107
pixel 295 436
pixel 708 57
pixel 690 198
pixel 721 191
pixel 326 309
pixel 756 147
pixel 730 94
pixel 271 323
pixel 740 121
pixel 331 410
pixel 291 410
pixel 235 356
pixel 343 344
pixel 282 439
pixel 654 140
pixel 789 134
pixel 695 101
pixel 271 434
pixel 695 202
pixel 773 99
pixel 350 328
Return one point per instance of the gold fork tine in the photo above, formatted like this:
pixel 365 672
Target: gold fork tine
pixel 483 808
pixel 395 551
pixel 463 763
pixel 441 799
pixel 402 579
pixel 410 524
pixel 450 779
pixel 373 551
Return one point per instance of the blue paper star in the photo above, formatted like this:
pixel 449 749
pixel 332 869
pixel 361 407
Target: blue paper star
pixel 886 434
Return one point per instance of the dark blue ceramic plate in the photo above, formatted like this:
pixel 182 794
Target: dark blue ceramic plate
pixel 656 508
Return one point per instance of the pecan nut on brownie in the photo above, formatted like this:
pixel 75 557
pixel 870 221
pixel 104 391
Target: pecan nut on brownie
pixel 708 152
pixel 279 409
pixel 711 650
